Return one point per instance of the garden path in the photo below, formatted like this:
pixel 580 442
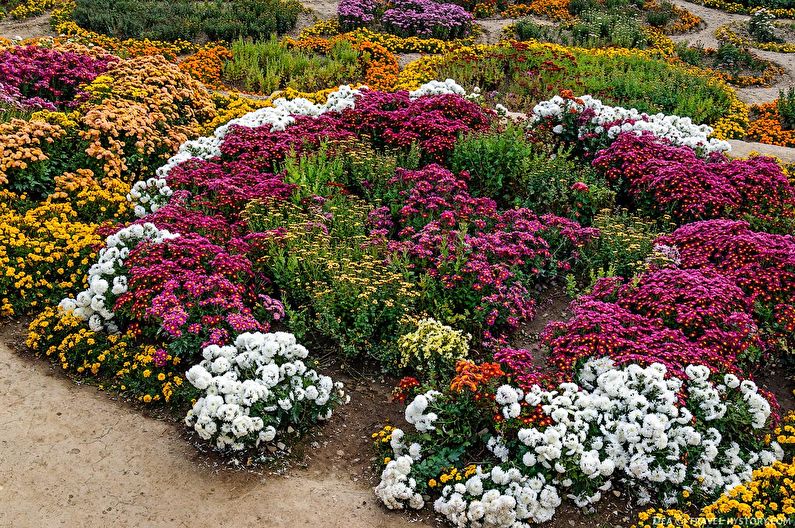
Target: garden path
pixel 24 29
pixel 715 18
pixel 70 456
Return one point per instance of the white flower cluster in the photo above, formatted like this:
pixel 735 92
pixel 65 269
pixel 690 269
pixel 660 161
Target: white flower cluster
pixel 498 498
pixel 415 412
pixel 618 425
pixel 252 388
pixel 107 279
pixel 446 87
pixel 147 196
pixel 610 121
pixel 644 432
pixel 396 488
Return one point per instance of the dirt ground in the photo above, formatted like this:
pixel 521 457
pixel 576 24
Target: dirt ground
pixel 24 29
pixel 72 456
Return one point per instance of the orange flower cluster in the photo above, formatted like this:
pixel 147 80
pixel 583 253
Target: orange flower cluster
pixel 207 65
pixel 554 9
pixel 24 143
pixel 470 375
pixel 766 128
pixel 685 21
pixel 380 66
pixel 142 109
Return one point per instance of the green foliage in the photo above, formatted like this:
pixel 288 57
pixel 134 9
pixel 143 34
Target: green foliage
pixel 187 19
pixel 267 66
pixel 661 16
pixel 495 161
pixel 624 247
pixel 507 167
pixel 786 108
pixel 336 288
pixel 520 78
pixel 761 28
pixel 598 29
pixel 313 173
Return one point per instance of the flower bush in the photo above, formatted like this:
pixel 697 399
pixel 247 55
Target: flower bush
pixel 256 389
pixel 759 263
pixel 594 125
pixel 662 178
pixel 407 18
pixel 36 77
pixel 432 348
pixel 631 427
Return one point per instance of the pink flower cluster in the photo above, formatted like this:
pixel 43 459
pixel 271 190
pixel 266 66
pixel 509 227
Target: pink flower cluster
pixel 661 178
pixel 387 119
pixel 482 261
pixel 407 18
pixel 727 304
pixel 36 77
pixel 193 291
pixel 761 264
pixel 427 19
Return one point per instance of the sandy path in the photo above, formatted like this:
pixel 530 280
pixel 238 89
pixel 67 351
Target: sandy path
pixel 714 19
pixel 70 456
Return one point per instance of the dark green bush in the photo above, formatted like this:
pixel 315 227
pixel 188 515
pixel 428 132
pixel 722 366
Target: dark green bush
pixel 187 19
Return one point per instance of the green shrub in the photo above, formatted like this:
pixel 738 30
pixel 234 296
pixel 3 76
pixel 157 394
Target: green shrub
pixel 520 78
pixel 336 289
pixel 786 108
pixel 624 247
pixel 528 29
pixel 761 28
pixel 268 66
pixel 187 19
pixel 495 162
pixel 598 29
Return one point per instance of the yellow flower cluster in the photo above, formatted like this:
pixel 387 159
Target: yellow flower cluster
pixel 29 8
pixel 94 200
pixel 454 474
pixel 393 43
pixel 735 123
pixel 432 345
pixel 784 434
pixel 383 436
pixel 44 251
pixel 67 340
pixel 321 28
pixel 728 33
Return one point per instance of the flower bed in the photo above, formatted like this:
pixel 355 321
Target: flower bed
pixel 41 78
pixel 407 18
pixel 64 174
pixel 736 34
pixel 766 127
pixel 519 75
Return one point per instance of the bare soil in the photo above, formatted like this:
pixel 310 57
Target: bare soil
pixel 29 28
